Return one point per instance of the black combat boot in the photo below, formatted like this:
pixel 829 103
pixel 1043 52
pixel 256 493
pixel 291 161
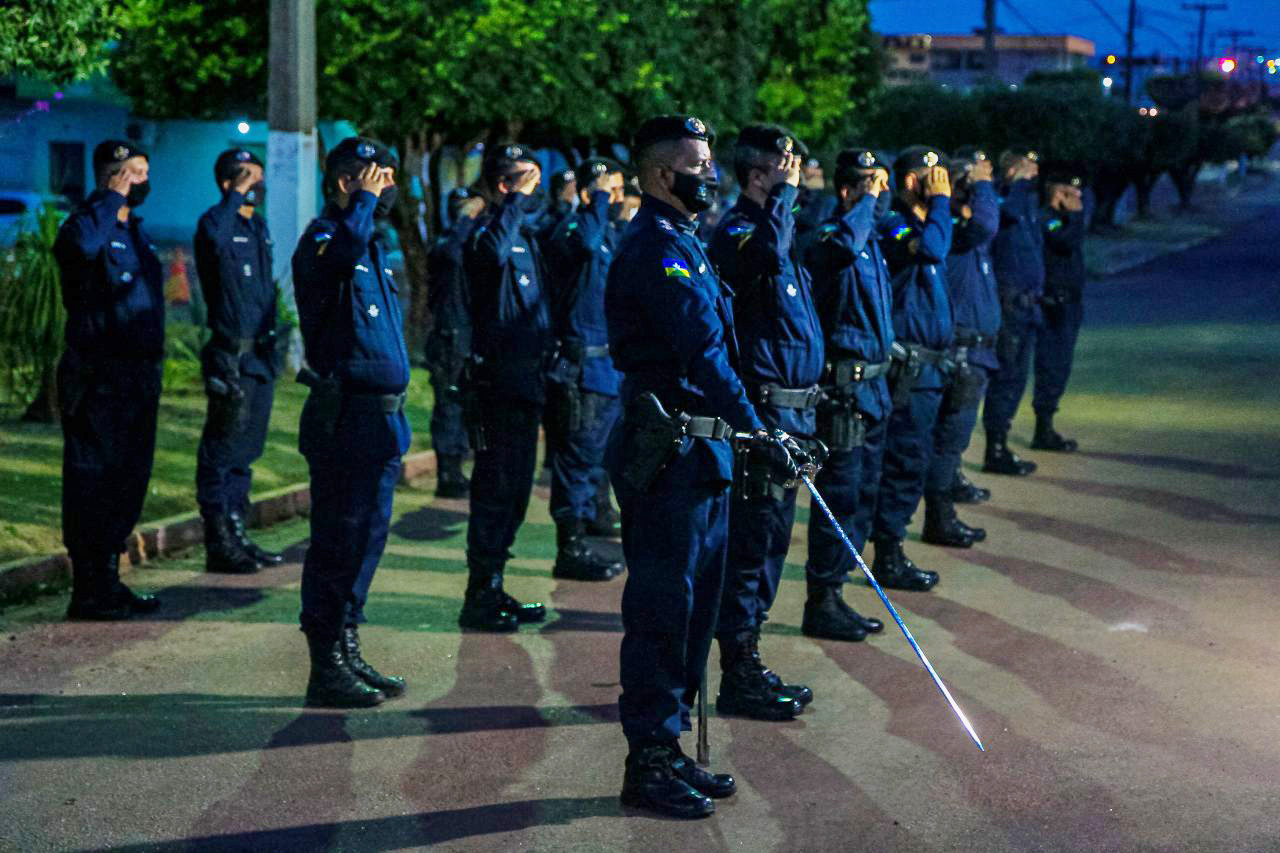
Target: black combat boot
pixel 745 690
pixel 893 570
pixel 1047 438
pixel 223 552
pixel 450 481
pixel 942 527
pixel 607 523
pixel 717 786
pixel 333 684
pixel 93 596
pixel 576 560
pixel 488 608
pixel 651 783
pixel 963 491
pixel 261 556
pixel 1000 459
pixel 828 617
pixel 391 685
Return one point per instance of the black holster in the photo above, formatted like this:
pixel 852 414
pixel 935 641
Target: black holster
pixel 654 438
pixel 966 383
pixel 444 357
pixel 474 386
pixel 840 425
pixel 227 407
pixel 323 406
pixel 903 374
pixel 753 475
pixel 75 380
pixel 564 381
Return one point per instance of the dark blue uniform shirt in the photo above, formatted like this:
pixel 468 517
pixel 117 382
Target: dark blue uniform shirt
pixel 917 255
pixel 774 318
pixel 854 297
pixel 348 303
pixel 579 254
pixel 1064 271
pixel 112 282
pixel 447 297
pixel 975 301
pixel 511 324
pixel 1018 252
pixel 233 259
pixel 670 323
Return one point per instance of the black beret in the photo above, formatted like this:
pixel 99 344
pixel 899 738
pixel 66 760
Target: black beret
pixel 1018 152
pixel 1063 174
pixel 767 137
pixel 501 160
pixel 590 169
pixel 230 161
pixel 114 151
pixel 671 127
pixel 919 157
pixel 856 159
pixel 562 179
pixel 359 150
pixel 970 154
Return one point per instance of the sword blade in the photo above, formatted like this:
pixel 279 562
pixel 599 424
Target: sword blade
pixel 893 611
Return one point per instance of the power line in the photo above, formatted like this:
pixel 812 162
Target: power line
pixel 1021 17
pixel 1102 10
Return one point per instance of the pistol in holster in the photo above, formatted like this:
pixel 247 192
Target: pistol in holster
pixel 966 382
pixel 655 438
pixel 564 380
pixel 903 373
pixel 474 386
pixel 75 380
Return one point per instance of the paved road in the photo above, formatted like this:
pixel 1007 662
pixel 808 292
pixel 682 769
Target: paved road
pixel 1114 641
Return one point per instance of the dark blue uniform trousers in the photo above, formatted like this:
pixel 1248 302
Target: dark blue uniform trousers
pixel 1014 346
pixel 850 484
pixel 907 451
pixel 223 459
pixel 448 429
pixel 502 479
pixel 350 519
pixel 108 447
pixel 951 436
pixel 759 537
pixel 575 468
pixel 1055 350
pixel 674 539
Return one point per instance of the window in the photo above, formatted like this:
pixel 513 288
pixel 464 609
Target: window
pixel 66 169
pixel 947 60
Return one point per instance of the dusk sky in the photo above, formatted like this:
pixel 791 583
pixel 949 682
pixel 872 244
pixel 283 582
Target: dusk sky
pixel 1163 25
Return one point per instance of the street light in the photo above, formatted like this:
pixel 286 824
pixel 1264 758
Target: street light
pixel 243 127
pixel 1227 65
pixel 1107 82
pixel 1111 59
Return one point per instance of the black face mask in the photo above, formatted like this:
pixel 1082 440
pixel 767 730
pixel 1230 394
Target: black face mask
pixel 615 210
pixel 386 201
pixel 696 192
pixel 256 194
pixel 137 194
pixel 533 202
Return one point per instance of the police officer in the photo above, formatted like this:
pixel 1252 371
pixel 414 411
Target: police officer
pixel 781 343
pixel 975 305
pixel 353 429
pixel 915 239
pixel 108 378
pixel 233 257
pixel 1065 224
pixel 671 334
pixel 449 341
pixel 815 204
pixel 1018 257
pixel 582 377
pixel 510 339
pixel 854 298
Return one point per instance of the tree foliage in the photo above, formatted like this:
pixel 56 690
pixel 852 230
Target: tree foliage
pixel 60 42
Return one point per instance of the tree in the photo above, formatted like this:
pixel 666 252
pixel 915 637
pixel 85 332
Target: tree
pixel 61 41
pixel 32 318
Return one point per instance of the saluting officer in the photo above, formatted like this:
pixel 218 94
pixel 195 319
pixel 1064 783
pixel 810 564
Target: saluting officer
pixel 915 239
pixel 1066 221
pixel 975 304
pixel 582 377
pixel 671 334
pixel 781 343
pixel 108 378
pixel 449 341
pixel 854 297
pixel 815 205
pixel 233 257
pixel 510 339
pixel 1018 256
pixel 353 430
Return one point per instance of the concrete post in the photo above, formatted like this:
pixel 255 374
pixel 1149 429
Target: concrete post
pixel 291 136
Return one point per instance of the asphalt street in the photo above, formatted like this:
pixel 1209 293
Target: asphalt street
pixel 1114 642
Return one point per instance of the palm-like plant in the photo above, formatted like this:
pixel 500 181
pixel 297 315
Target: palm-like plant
pixel 32 318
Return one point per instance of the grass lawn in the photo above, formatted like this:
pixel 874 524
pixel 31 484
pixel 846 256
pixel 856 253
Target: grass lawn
pixel 31 462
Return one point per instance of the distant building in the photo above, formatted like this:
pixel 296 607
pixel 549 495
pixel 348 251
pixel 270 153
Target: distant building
pixel 960 61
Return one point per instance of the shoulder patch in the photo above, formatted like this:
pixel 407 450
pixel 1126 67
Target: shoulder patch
pixel 323 236
pixel 900 232
pixel 1054 224
pixel 675 268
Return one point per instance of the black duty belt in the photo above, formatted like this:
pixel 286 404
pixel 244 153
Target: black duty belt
pixel 973 340
pixel 595 352
pixel 244 346
pixel 920 354
pixel 388 404
pixel 1023 299
pixel 788 398
pixel 715 429
pixel 849 371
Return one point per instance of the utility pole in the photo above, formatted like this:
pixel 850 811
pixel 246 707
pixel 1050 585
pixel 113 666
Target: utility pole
pixel 291 120
pixel 1128 51
pixel 1235 35
pixel 989 39
pixel 1203 9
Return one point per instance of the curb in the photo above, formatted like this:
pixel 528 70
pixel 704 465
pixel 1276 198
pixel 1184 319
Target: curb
pixel 167 536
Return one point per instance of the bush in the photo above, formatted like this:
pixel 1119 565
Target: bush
pixel 32 318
